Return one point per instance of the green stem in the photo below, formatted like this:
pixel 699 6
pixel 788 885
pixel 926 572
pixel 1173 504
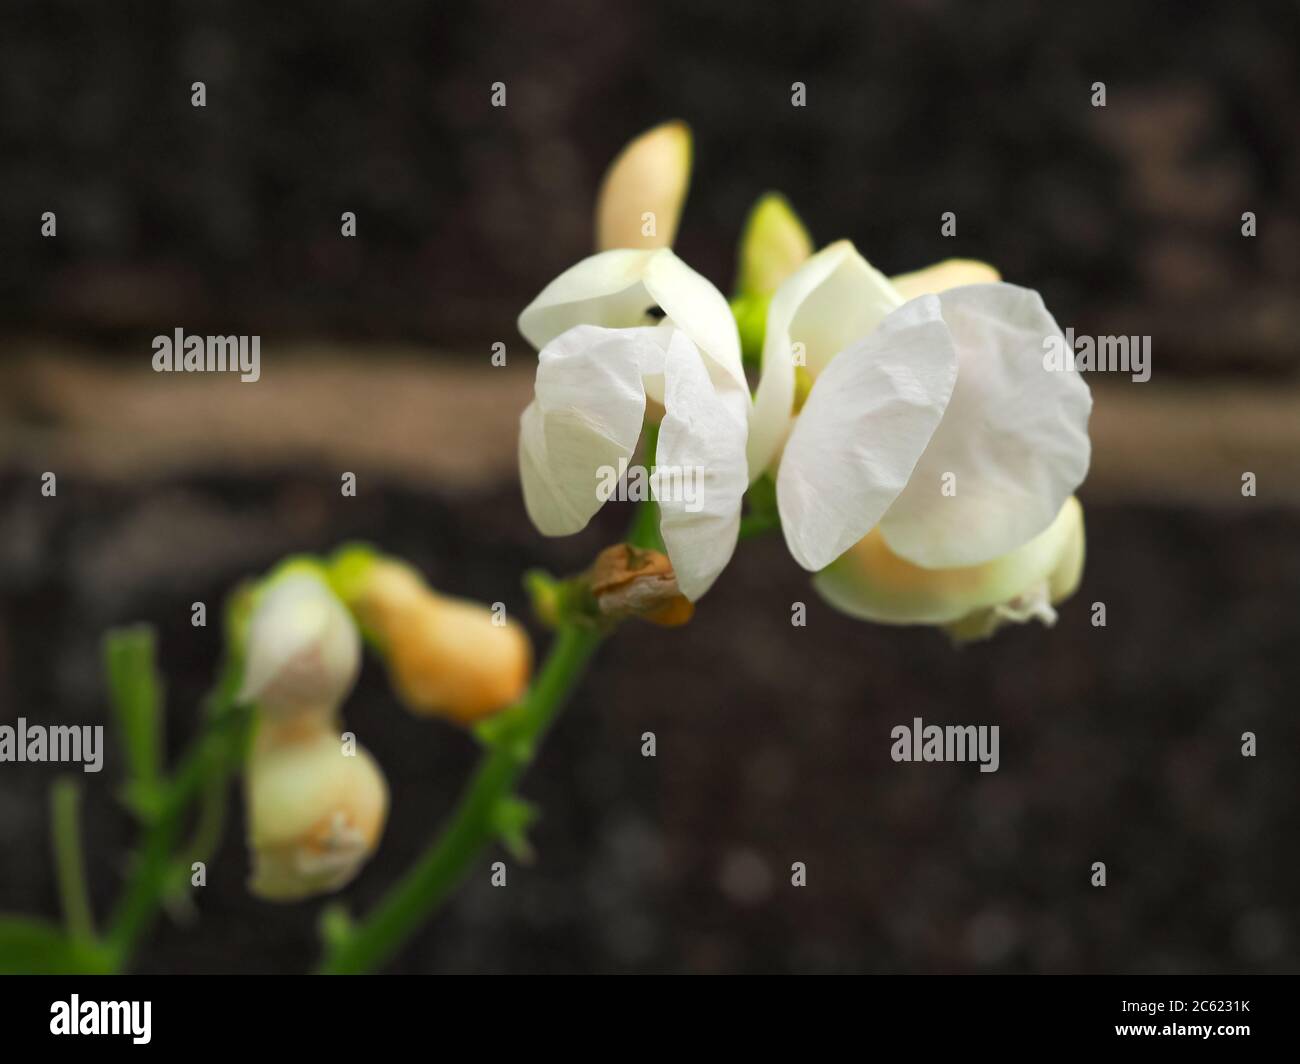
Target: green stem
pixel 474 824
pixel 65 802
pixel 644 531
pixel 752 525
pixel 206 765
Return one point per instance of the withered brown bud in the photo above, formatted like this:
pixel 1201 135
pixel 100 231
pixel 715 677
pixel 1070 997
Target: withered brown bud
pixel 629 581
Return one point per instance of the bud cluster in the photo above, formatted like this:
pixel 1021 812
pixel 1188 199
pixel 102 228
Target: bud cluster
pixel 316 801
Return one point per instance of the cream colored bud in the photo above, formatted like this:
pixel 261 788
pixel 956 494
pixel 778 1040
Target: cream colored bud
pixel 951 273
pixel 446 656
pixel 303 648
pixel 871 582
pixel 641 197
pixel 315 813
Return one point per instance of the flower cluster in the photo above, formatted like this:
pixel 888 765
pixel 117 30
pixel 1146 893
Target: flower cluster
pixel 316 801
pixel 923 456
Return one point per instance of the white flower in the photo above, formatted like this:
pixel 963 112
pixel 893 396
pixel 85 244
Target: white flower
pixel 931 419
pixel 615 330
pixel 303 647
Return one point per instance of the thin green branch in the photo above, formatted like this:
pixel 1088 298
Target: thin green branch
pixel 135 694
pixel 206 766
pixel 476 820
pixel 65 833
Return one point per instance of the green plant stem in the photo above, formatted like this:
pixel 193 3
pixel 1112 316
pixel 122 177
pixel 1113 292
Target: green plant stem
pixel 474 824
pixel 644 530
pixel 752 525
pixel 206 765
pixel 65 803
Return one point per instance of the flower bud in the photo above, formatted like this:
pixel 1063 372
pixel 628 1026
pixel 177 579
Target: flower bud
pixel 446 656
pixel 303 650
pixel 315 813
pixel 641 197
pixel 628 581
pixel 951 273
pixel 773 245
pixel 871 582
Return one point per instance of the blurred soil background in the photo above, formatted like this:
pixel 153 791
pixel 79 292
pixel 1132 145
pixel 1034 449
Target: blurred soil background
pixel 1119 744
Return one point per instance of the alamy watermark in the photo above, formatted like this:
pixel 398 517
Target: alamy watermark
pixel 58 742
pixel 671 484
pixel 953 742
pixel 179 353
pixel 77 1017
pixel 1101 354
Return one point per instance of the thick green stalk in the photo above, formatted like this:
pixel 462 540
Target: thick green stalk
pixel 476 821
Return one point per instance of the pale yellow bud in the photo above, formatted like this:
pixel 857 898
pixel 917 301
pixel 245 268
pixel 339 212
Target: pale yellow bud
pixel 871 582
pixel 951 273
pixel 316 809
pixel 303 650
pixel 641 197
pixel 446 656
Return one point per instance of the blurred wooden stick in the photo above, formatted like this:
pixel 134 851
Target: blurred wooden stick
pixel 450 423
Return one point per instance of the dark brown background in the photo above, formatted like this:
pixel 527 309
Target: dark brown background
pixel 1118 744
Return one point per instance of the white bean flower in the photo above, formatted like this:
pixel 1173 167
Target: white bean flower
pixel 621 334
pixel 919 411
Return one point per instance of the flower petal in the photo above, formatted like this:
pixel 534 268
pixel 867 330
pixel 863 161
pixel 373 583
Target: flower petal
pixel 867 421
pixel 701 454
pixel 833 299
pixel 951 273
pixel 620 289
pixel 1014 437
pixel 587 413
pixel 604 289
pixel 696 307
pixel 872 582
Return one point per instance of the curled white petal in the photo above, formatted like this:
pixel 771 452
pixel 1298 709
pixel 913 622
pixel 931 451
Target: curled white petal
pixel 697 308
pixel 1013 442
pixel 867 420
pixel 587 413
pixel 700 473
pixel 833 299
pixel 604 289
pixel 621 288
